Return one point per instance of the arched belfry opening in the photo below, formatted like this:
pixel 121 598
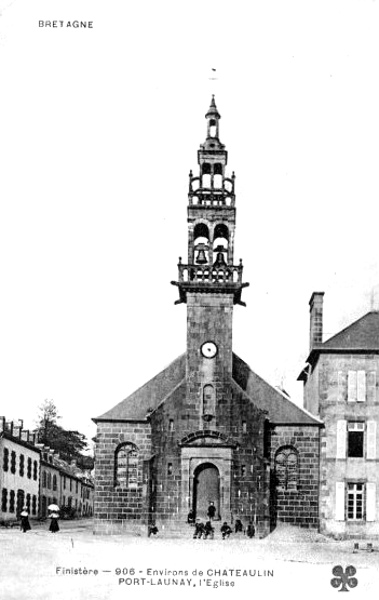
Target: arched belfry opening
pixel 201 244
pixel 221 245
pixel 206 489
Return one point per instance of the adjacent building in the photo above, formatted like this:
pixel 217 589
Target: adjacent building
pixel 35 476
pixel 341 388
pixel 19 470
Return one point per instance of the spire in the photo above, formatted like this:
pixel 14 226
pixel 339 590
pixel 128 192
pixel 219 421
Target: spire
pixel 212 141
pixel 212 111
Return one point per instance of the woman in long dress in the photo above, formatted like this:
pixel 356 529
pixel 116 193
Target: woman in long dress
pixel 25 525
pixel 54 527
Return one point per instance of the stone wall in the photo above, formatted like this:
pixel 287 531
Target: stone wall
pixel 117 509
pixel 298 506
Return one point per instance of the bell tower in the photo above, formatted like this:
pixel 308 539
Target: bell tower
pixel 209 282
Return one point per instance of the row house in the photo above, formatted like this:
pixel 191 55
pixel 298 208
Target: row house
pixel 35 476
pixel 64 484
pixel 19 470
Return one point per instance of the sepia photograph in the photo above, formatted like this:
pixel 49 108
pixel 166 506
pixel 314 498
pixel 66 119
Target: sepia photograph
pixel 189 306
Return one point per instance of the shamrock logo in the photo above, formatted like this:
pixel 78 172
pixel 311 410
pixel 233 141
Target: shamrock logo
pixel 344 578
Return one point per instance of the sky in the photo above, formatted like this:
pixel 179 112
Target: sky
pixel 99 130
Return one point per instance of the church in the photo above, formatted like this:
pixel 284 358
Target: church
pixel 207 429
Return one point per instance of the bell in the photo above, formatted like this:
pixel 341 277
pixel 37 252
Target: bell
pixel 220 260
pixel 201 259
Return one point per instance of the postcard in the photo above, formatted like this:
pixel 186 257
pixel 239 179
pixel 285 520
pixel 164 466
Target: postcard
pixel 190 299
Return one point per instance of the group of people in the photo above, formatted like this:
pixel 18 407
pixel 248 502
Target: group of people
pixel 206 530
pixel 25 524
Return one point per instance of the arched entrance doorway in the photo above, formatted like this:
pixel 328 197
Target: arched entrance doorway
pixel 206 489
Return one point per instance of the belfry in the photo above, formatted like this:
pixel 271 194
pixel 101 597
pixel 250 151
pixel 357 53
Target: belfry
pixel 207 429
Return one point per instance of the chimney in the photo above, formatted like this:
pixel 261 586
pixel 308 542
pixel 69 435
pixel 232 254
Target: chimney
pixel 316 312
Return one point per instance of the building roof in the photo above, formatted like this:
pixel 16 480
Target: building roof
pixel 281 410
pixel 146 399
pixel 171 380
pixel 363 334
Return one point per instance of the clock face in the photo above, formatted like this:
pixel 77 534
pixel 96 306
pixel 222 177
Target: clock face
pixel 209 349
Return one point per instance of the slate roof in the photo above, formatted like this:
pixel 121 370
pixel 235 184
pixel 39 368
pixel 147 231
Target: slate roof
pixel 363 334
pixel 171 381
pixel 281 410
pixel 146 399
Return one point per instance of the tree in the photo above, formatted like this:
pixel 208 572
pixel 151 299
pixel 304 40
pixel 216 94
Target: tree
pixel 69 444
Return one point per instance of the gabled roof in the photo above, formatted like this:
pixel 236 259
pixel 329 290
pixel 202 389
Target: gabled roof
pixel 146 399
pixel 281 410
pixel 363 334
pixel 171 382
pixel 359 337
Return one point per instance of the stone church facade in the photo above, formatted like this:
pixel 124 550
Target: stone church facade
pixel 207 428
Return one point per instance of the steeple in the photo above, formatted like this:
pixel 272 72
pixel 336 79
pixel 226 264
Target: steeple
pixel 211 222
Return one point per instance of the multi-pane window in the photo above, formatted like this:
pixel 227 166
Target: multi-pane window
pixel 22 465
pixel 355 439
pixel 54 483
pixel 29 471
pixel 5 459
pixel 11 501
pixel 20 501
pixel 44 479
pixel 287 468
pixel 49 480
pixel 126 466
pixel 4 499
pixel 355 501
pixel 35 470
pixel 13 462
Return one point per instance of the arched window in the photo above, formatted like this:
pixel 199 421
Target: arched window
pixel 209 402
pixel 287 468
pixel 126 466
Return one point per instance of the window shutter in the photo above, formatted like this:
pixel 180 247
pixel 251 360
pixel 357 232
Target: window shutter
pixel 342 381
pixel 340 501
pixel 361 386
pixel 352 386
pixel 370 501
pixel 341 439
pixel 371 386
pixel 371 439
